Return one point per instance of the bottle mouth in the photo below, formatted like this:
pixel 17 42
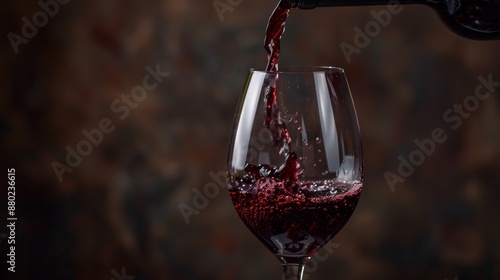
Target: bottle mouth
pixel 303 4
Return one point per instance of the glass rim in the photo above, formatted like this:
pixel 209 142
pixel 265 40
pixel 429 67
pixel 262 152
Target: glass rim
pixel 299 69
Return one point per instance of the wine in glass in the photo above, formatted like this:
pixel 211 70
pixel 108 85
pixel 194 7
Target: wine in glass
pixel 295 160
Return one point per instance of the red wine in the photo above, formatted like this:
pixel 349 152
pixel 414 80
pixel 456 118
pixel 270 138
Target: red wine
pixel 275 28
pixel 274 31
pixel 294 218
pixel 291 217
pixel 275 123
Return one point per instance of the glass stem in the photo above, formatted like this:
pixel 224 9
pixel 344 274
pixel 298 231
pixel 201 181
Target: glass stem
pixel 293 271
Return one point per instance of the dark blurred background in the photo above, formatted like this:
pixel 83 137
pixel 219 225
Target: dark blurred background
pixel 115 214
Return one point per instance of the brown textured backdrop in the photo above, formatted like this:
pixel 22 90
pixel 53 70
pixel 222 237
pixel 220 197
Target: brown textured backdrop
pixel 117 211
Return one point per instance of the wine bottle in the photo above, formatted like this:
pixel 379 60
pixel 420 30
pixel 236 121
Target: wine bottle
pixel 474 19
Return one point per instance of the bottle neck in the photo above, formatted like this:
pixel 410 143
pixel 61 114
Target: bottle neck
pixel 475 19
pixel 310 4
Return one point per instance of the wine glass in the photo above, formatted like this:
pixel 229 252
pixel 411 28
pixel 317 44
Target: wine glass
pixel 295 160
